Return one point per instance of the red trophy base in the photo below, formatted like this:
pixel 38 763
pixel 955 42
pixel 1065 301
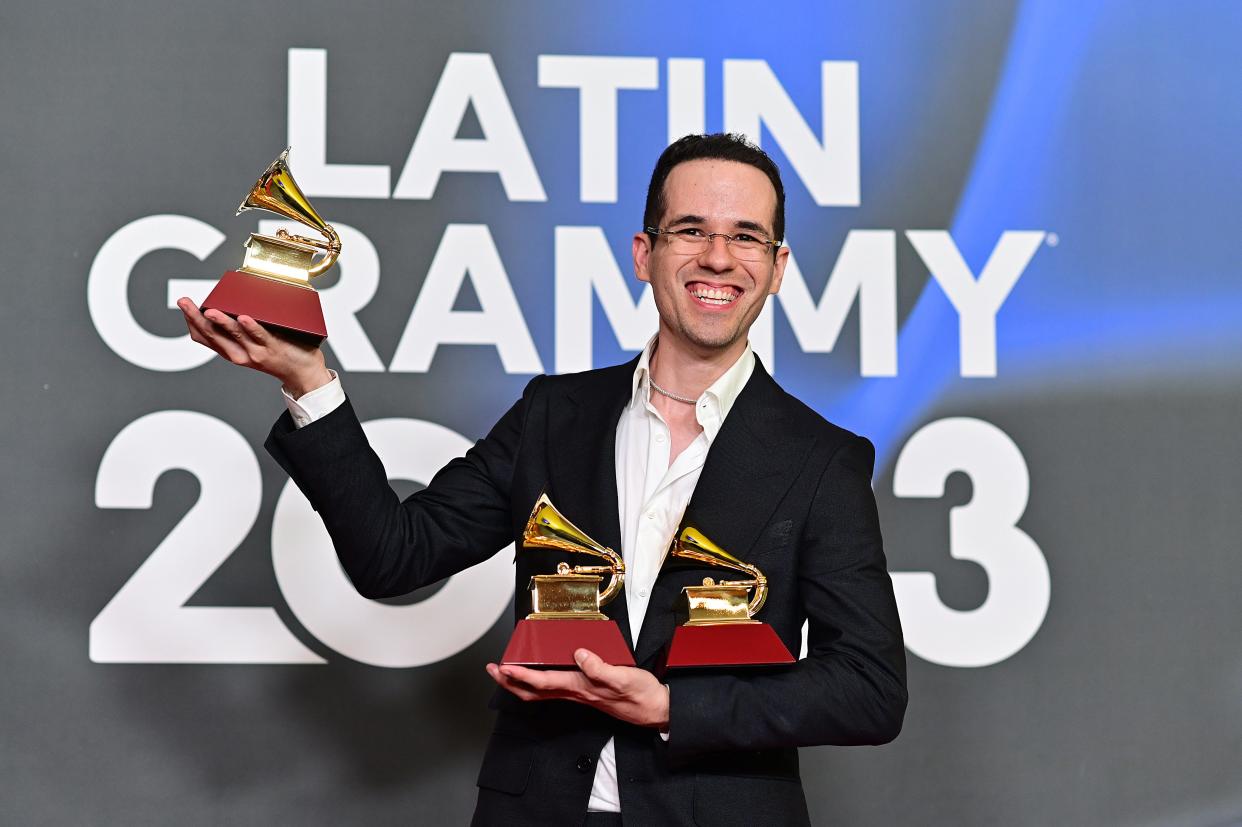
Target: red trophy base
pixel 552 643
pixel 726 644
pixel 269 302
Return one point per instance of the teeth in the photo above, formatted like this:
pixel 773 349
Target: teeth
pixel 713 295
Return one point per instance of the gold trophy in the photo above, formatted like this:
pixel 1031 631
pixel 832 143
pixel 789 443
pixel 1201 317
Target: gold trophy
pixel 566 605
pixel 720 627
pixel 273 284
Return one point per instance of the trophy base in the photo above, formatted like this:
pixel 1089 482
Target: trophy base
pixel 269 302
pixel 552 643
pixel 726 644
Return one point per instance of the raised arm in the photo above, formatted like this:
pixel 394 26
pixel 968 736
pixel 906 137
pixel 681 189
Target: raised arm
pixel 387 547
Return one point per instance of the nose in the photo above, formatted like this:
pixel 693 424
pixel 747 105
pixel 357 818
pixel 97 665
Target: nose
pixel 717 256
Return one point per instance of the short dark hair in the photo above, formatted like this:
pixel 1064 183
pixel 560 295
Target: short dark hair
pixel 724 146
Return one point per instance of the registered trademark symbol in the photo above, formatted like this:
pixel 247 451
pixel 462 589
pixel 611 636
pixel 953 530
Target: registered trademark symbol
pixel 1053 239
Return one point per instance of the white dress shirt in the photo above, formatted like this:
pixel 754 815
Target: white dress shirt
pixel 652 494
pixel 317 404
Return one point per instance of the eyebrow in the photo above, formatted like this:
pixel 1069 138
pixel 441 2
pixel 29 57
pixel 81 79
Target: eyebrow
pixel 751 225
pixel 741 225
pixel 687 219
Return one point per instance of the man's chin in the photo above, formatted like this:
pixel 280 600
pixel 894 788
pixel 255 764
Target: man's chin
pixel 714 339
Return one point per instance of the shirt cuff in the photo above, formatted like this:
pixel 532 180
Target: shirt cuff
pixel 317 404
pixel 669 690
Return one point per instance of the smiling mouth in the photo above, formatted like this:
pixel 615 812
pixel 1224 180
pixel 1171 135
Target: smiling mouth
pixel 713 296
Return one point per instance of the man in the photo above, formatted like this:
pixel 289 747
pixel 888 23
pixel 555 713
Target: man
pixel 693 432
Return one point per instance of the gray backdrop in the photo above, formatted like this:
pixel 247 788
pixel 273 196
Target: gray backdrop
pixel 1077 659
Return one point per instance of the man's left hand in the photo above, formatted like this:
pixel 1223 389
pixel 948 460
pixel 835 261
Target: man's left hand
pixel 625 692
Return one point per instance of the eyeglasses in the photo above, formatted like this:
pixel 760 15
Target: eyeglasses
pixel 691 241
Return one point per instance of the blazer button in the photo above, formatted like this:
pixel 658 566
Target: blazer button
pixel 585 763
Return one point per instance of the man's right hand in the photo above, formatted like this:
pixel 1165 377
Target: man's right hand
pixel 299 366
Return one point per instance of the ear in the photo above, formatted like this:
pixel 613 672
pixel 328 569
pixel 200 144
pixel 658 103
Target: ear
pixel 778 268
pixel 640 247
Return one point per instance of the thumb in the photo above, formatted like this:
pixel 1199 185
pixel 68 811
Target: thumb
pixel 591 664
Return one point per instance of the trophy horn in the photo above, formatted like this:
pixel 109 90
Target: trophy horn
pixel 691 544
pixel 548 528
pixel 276 191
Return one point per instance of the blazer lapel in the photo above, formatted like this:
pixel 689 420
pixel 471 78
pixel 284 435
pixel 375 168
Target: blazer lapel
pixel 751 464
pixel 582 436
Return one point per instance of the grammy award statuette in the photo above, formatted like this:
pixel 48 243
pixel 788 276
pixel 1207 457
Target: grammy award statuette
pixel 720 629
pixel 273 283
pixel 566 606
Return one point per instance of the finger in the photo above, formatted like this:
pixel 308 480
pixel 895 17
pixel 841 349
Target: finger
pixel 553 683
pixel 254 330
pixel 515 689
pixel 493 671
pixel 593 666
pixel 193 316
pixel 509 676
pixel 518 688
pixel 254 350
pixel 538 678
pixel 227 325
pixel 206 333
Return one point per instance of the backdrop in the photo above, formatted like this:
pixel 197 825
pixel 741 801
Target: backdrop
pixel 1015 269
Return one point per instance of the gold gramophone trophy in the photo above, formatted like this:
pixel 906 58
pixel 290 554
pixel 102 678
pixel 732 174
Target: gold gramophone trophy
pixel 273 284
pixel 720 627
pixel 566 614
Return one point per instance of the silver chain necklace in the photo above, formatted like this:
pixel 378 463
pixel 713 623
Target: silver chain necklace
pixel 669 394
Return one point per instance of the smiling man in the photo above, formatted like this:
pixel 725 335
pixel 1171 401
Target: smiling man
pixel 693 431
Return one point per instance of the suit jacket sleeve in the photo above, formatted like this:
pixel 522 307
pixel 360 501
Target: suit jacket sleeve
pixel 388 547
pixel 850 689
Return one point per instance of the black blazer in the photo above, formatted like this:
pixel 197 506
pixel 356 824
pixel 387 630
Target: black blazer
pixel 781 488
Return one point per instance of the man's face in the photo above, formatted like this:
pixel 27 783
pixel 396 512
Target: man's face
pixel 708 301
